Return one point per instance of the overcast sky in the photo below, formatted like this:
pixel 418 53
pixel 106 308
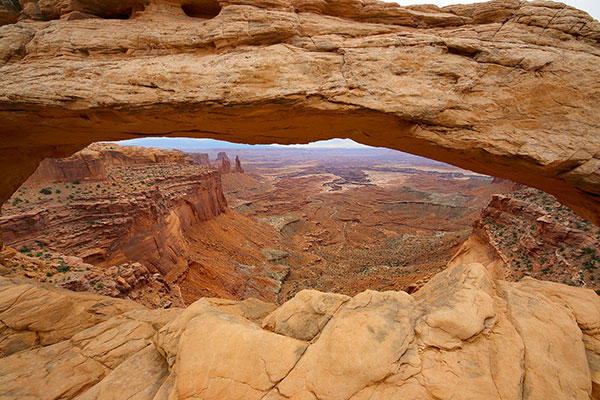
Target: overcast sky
pixel 190 143
pixel 592 7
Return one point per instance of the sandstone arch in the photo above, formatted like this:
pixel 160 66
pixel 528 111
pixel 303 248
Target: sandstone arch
pixel 506 88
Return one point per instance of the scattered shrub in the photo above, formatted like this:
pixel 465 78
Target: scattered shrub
pixel 14 4
pixel 46 191
pixel 63 267
pixel 24 249
pixel 588 250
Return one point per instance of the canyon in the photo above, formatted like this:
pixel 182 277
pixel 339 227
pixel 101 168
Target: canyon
pixel 364 219
pixel 342 222
pixel 110 206
pixel 298 220
pixel 506 88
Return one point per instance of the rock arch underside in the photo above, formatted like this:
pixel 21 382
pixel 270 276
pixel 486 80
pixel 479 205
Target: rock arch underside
pixel 506 88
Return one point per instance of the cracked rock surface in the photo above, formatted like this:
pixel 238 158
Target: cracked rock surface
pixel 462 336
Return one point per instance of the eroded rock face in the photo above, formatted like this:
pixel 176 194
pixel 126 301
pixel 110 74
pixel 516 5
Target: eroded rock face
pixel 526 232
pixel 238 165
pixel 199 158
pixel 132 200
pixel 463 335
pixel 91 162
pixel 506 88
pixel 224 166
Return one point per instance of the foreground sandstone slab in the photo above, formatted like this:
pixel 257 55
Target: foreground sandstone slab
pixel 462 336
pixel 506 88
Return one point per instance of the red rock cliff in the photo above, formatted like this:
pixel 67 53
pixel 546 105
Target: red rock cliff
pixel 529 233
pixel 91 162
pixel 139 206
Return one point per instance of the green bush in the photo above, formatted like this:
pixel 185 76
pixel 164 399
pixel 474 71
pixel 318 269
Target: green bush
pixel 46 191
pixel 14 4
pixel 24 249
pixel 588 250
pixel 63 267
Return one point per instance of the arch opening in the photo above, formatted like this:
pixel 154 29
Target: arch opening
pixel 285 124
pixel 204 9
pixel 346 217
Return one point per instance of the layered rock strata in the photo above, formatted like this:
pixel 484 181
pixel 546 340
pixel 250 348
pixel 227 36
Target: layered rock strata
pixel 199 158
pixel 164 210
pixel 463 335
pixel 147 224
pixel 92 162
pixel 528 233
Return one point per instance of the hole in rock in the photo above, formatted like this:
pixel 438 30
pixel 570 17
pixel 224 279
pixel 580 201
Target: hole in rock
pixel 124 10
pixel 165 221
pixel 126 14
pixel 204 9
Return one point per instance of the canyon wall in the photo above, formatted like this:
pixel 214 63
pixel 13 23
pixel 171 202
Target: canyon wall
pixel 84 165
pixel 148 226
pixel 199 158
pixel 162 209
pixel 91 162
pixel 506 88
pixel 126 204
pixel 528 233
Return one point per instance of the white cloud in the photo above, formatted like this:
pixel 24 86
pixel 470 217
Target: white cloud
pixel 332 143
pixel 592 7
